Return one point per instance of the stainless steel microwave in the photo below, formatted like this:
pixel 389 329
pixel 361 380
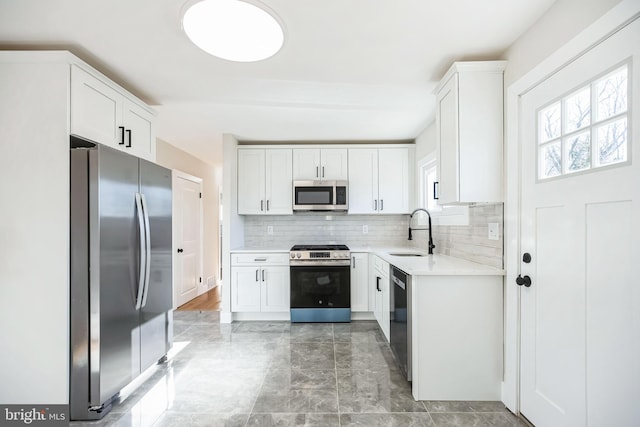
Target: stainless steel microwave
pixel 320 196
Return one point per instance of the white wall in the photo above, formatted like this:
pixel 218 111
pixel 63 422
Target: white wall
pixel 563 21
pixel 211 174
pixel 426 142
pixel 233 224
pixel 34 233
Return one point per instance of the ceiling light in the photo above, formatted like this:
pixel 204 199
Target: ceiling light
pixel 233 30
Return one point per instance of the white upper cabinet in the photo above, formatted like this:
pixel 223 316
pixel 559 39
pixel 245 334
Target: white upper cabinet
pixel 101 113
pixel 469 129
pixel 264 181
pixel 320 164
pixel 380 180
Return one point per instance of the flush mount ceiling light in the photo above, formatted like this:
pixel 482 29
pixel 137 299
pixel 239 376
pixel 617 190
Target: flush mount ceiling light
pixel 234 30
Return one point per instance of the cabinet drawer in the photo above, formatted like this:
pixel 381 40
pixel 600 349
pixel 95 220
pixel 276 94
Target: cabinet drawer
pixel 258 258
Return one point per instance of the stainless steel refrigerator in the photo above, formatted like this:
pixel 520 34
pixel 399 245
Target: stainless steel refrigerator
pixel 121 279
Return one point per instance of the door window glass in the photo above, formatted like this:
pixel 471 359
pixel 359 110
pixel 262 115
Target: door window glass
pixel 585 129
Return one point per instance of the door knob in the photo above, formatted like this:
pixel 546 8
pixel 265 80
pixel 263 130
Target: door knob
pixel 526 281
pixel 526 258
pixel 180 250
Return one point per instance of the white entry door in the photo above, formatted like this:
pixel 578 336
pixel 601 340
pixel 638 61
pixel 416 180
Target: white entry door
pixel 188 237
pixel 580 189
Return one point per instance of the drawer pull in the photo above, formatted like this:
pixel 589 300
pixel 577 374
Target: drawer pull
pixel 259 259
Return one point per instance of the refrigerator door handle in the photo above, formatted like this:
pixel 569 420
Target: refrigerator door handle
pixel 143 250
pixel 147 250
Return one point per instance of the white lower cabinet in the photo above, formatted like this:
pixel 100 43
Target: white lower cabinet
pixel 379 283
pixel 360 282
pixel 258 287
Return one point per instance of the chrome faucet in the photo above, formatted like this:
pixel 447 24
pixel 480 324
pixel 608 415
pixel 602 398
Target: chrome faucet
pixel 431 245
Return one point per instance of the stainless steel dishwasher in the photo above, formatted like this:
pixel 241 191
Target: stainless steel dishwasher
pixel 400 317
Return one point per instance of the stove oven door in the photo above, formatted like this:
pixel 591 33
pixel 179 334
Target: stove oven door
pixel 320 286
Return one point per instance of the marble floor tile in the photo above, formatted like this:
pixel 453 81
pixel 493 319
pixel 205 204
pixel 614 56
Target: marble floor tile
pixel 363 331
pixel 260 327
pixel 387 420
pixel 282 381
pixel 304 355
pixel 311 332
pixel 201 333
pixel 293 420
pixel 363 355
pixel 283 374
pixel 464 406
pixel 476 419
pixel 297 401
pixel 381 391
pixel 178 419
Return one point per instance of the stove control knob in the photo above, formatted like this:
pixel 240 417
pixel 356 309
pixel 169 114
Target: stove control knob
pixel 292 255
pixel 299 255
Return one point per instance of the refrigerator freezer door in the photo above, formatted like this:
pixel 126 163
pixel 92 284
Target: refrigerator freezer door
pixel 155 185
pixel 115 272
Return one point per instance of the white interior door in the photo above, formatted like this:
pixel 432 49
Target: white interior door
pixel 188 239
pixel 580 317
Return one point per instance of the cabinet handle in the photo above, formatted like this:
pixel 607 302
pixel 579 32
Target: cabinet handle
pixel 378 284
pixel 257 275
pixel 317 173
pixel 353 260
pixel 129 137
pixel 263 275
pixel 267 205
pixel 375 205
pixel 121 135
pixel 259 259
pixel 381 205
pixel 261 205
pixel 435 190
pixel 323 171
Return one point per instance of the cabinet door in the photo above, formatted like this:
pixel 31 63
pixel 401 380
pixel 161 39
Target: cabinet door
pixel 394 181
pixel 275 289
pixel 245 289
pixel 278 181
pixel 377 310
pixel 251 193
pixel 359 282
pixel 306 163
pixel 334 164
pixel 96 109
pixel 385 310
pixel 447 136
pixel 139 134
pixel 363 180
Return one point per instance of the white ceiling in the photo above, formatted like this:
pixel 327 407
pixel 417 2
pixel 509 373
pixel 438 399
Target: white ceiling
pixel 349 69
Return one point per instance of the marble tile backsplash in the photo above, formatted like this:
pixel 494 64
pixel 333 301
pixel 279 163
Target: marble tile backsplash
pixel 327 228
pixel 469 242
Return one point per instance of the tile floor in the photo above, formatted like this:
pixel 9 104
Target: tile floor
pixel 282 374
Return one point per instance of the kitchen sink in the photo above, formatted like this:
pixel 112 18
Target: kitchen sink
pixel 404 254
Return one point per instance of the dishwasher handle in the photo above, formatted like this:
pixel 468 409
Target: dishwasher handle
pixel 399 282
